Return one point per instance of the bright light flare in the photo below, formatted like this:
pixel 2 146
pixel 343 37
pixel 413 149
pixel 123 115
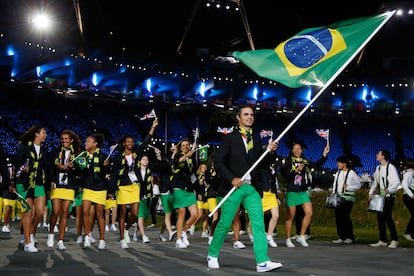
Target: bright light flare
pixel 42 21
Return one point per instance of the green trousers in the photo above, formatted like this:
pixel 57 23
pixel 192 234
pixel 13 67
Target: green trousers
pixel 252 202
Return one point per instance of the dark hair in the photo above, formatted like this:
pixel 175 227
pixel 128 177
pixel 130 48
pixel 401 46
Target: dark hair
pixel 99 139
pixel 300 143
pixel 346 160
pixel 386 154
pixel 76 143
pixel 30 134
pixel 409 164
pixel 122 141
pixel 143 155
pixel 239 109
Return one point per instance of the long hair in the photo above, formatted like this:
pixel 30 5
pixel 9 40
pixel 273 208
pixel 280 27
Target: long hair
pixel 76 140
pixel 30 134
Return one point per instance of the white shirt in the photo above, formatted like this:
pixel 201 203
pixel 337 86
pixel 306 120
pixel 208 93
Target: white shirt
pixel 352 181
pixel 380 178
pixel 408 182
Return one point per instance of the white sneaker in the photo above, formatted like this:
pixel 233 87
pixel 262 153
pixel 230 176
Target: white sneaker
pixel 60 246
pixel 79 240
pixel 212 262
pixel 102 244
pixel 33 239
pixel 45 225
pixel 393 244
pixel 338 241
pixel 171 235
pixel 204 234
pixel 192 229
pixel 162 238
pixel 267 266
pixel 145 239
pixel 184 238
pixel 408 237
pixel 289 243
pixel 152 225
pixel 6 229
pixel 348 241
pixel 126 236
pixel 379 244
pixel 242 232
pixel 270 241
pixel 50 240
pixel 113 228
pixel 87 241
pixel 307 237
pixel 106 228
pixel 301 239
pixel 30 248
pixel 55 229
pixel 180 244
pixel 135 236
pixel 124 244
pixel 238 245
pixel 91 238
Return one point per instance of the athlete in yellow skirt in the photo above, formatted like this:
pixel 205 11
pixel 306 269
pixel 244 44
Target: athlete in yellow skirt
pixel 62 194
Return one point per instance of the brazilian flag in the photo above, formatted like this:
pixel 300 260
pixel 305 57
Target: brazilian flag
pixel 314 55
pixel 81 161
pixel 203 154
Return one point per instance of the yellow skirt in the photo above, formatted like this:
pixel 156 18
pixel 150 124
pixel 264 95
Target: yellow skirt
pixel 9 202
pixel 209 205
pixel 127 194
pixel 98 197
pixel 269 201
pixel 109 203
pixel 62 193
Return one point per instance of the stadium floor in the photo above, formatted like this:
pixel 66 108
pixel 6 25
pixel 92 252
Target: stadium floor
pixel 162 258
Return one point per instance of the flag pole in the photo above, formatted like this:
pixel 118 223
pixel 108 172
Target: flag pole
pixel 326 85
pixel 166 133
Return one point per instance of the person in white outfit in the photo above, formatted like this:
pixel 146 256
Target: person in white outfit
pixel 408 197
pixel 387 180
pixel 346 182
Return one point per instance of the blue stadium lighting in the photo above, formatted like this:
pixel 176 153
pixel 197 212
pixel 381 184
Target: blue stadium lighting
pixel 10 51
pixel 202 89
pixel 68 62
pixel 364 94
pixel 309 94
pixel 95 79
pixel 368 96
pixel 148 85
pixel 255 92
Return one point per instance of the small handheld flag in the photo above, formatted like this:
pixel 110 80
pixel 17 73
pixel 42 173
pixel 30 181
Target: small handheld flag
pixel 113 147
pixel 149 115
pixel 23 202
pixel 324 133
pixel 266 133
pixel 225 130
